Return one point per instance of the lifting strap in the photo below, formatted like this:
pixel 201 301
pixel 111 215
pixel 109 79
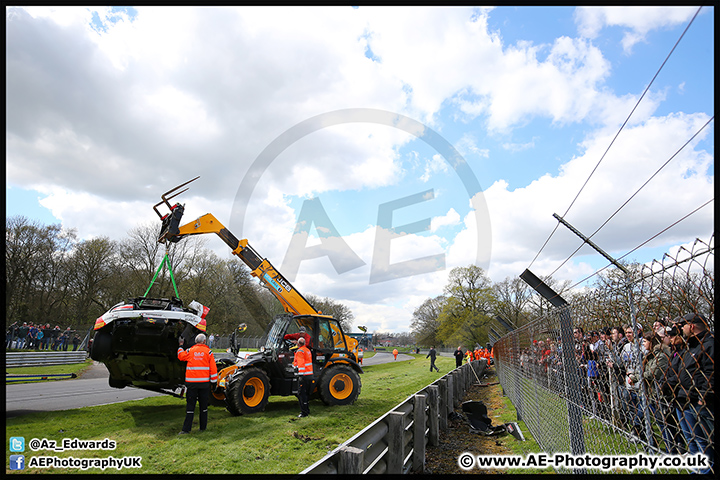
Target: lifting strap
pixel 166 260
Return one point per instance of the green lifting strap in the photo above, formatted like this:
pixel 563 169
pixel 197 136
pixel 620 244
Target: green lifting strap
pixel 166 259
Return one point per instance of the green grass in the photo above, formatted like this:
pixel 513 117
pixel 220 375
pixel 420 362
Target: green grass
pixel 275 441
pixel 530 445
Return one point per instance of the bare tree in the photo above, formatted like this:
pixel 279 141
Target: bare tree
pixel 426 320
pixel 34 257
pixel 91 266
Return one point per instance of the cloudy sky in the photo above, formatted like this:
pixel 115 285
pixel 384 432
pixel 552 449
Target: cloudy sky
pixel 368 151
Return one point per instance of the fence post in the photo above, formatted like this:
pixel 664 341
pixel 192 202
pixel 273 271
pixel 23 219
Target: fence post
pixel 418 461
pixel 396 443
pixel 443 394
pixel 457 379
pixel 433 415
pixel 351 461
pixel 459 387
pixel 577 436
pixel 569 363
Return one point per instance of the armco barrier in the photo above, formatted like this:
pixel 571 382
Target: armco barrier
pixel 31 359
pixel 395 443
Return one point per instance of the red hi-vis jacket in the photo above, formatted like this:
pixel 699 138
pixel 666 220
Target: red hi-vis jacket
pixel 201 366
pixel 303 360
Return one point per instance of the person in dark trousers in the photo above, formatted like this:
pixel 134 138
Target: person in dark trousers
pixel 694 386
pixel 432 354
pixel 303 362
pixel 458 357
pixel 200 374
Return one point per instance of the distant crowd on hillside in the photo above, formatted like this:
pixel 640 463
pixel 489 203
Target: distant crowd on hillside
pixel 28 336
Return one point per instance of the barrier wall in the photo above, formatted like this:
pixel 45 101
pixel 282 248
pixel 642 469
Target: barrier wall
pixel 395 443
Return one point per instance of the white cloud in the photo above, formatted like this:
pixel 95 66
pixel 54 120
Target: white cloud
pixel 180 116
pixel 522 219
pixel 103 120
pixel 637 21
pixel 108 218
pixel 451 219
pixel 468 145
pixel 433 166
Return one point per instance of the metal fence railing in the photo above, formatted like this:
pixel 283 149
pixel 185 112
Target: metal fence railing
pixel 31 359
pixel 611 374
pixel 396 442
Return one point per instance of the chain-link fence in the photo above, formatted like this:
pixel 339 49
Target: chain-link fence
pixel 625 368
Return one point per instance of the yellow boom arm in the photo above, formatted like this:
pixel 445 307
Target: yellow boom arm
pixel 291 300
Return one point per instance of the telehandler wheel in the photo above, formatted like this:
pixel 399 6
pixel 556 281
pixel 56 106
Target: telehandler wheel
pixel 225 369
pixel 339 385
pixel 248 391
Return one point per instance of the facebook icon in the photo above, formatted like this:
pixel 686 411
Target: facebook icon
pixel 17 462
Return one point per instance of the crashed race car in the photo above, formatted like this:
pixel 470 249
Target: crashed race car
pixel 138 342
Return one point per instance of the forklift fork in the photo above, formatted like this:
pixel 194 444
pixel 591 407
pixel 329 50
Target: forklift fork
pixel 165 196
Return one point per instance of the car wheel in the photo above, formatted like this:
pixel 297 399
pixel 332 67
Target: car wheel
pixel 101 346
pixel 115 383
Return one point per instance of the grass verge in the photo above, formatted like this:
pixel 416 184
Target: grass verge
pixel 76 368
pixel 272 442
pixel 508 414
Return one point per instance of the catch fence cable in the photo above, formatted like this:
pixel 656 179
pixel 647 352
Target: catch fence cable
pixel 617 134
pixel 645 242
pixel 634 194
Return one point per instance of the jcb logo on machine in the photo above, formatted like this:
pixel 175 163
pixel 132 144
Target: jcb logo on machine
pixel 278 283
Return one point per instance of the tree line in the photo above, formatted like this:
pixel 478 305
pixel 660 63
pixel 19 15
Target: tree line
pixel 51 276
pixel 471 303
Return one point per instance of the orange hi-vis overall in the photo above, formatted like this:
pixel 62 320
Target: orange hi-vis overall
pixel 303 360
pixel 201 366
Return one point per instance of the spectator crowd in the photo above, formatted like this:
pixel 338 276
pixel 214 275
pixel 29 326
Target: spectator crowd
pixel 29 336
pixel 658 383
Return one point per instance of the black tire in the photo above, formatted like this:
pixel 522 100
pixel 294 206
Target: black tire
pixel 218 397
pixel 101 346
pixel 339 385
pixel 247 391
pixel 115 383
pixel 215 401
